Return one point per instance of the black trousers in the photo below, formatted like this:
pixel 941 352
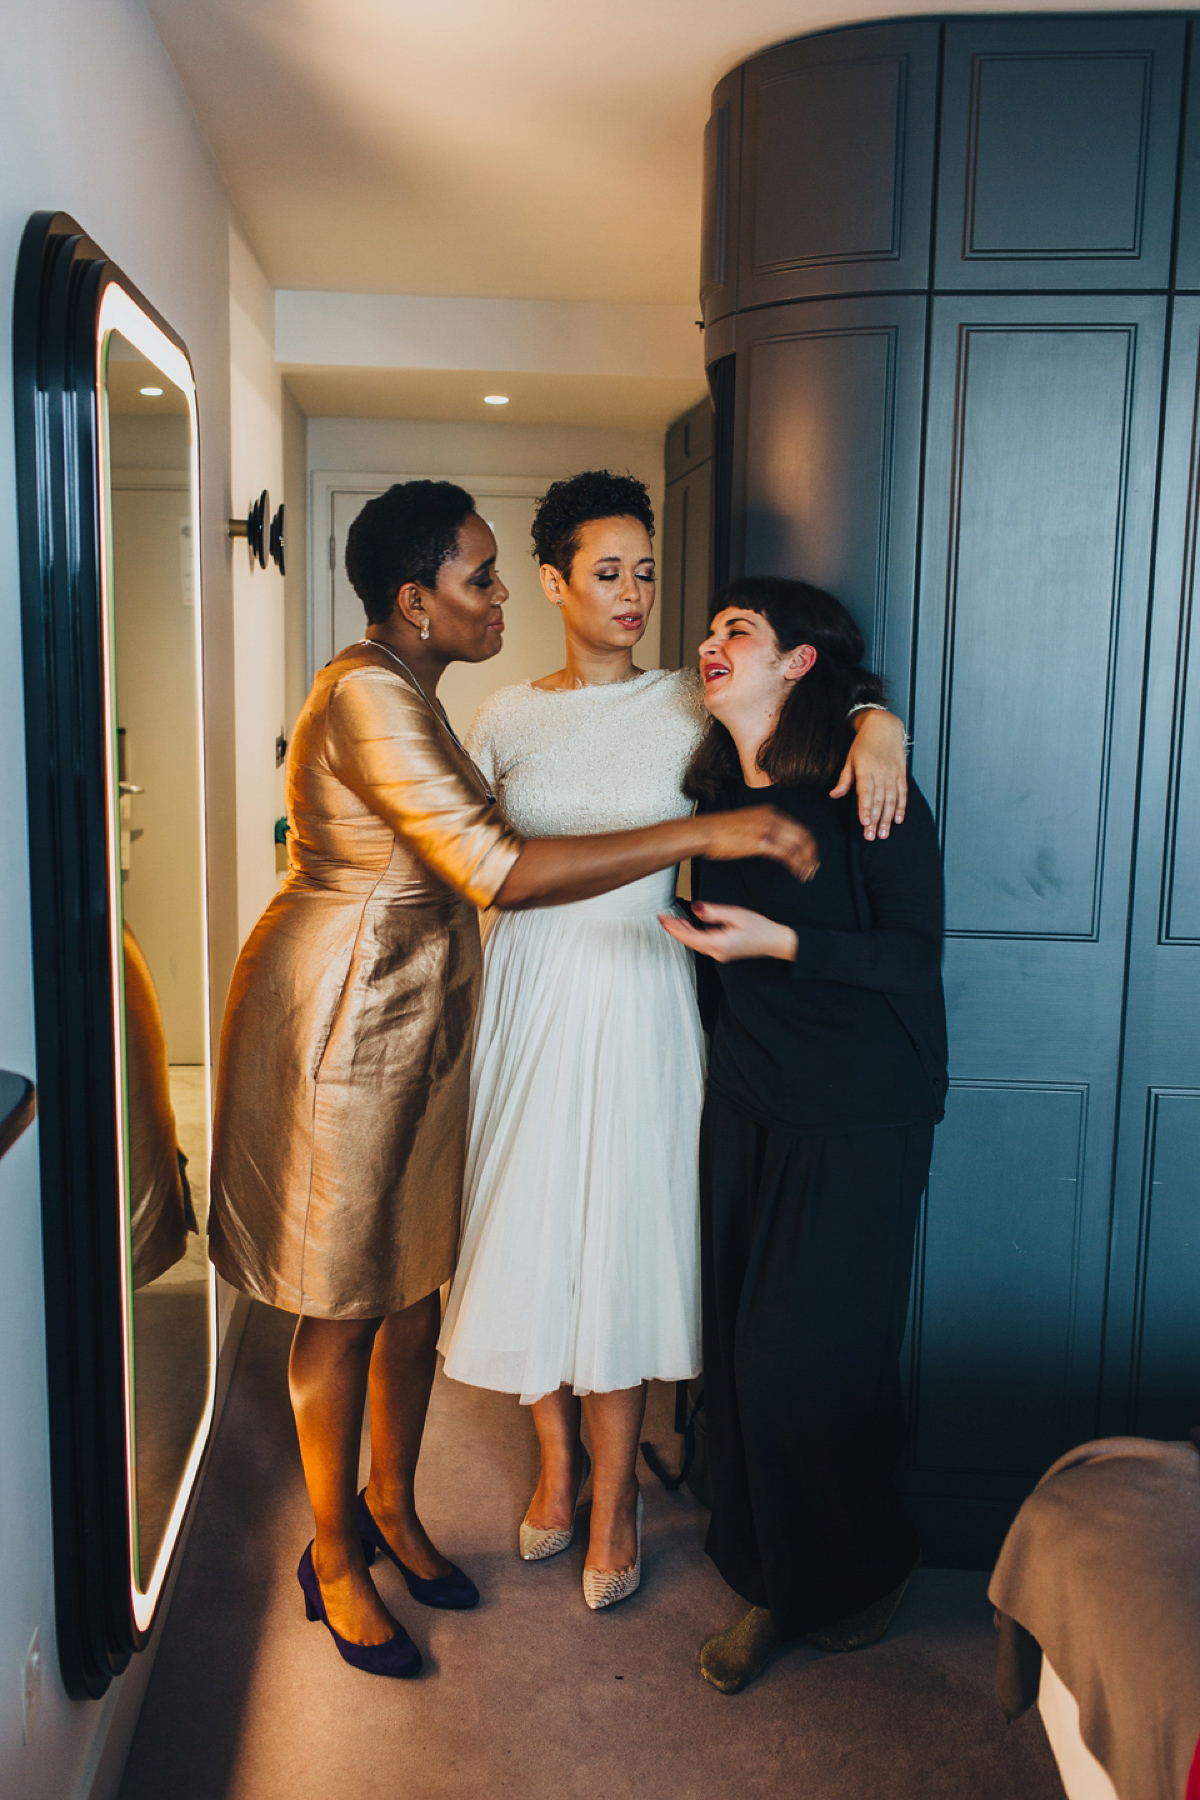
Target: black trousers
pixel 806 1246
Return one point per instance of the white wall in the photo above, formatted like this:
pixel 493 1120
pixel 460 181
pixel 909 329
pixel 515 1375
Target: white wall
pixel 93 121
pixel 426 447
pixel 417 331
pixel 256 462
pixel 295 601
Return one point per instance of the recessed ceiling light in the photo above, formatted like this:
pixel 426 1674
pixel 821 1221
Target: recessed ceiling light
pixel 495 399
pixel 150 393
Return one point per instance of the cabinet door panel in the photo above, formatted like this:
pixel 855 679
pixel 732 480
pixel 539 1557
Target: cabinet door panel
pixel 837 164
pixel 1164 1389
pixel 826 475
pixel 1187 256
pixel 689 441
pixel 697 563
pixel 984 1265
pixel 1153 1338
pixel 686 566
pixel 1041 457
pixel 722 183
pixel 671 557
pixel 1058 152
pixel 1039 512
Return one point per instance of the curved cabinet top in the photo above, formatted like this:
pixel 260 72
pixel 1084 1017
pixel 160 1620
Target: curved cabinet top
pixel 1060 139
pixel 1056 139
pixel 719 224
pixel 837 164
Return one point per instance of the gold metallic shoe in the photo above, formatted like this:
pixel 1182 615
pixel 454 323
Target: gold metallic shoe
pixel 731 1660
pixel 538 1542
pixel 865 1627
pixel 604 1587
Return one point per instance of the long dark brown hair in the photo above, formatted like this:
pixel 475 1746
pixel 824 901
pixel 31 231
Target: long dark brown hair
pixel 813 734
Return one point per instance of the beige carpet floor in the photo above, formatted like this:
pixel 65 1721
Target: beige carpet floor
pixel 532 1695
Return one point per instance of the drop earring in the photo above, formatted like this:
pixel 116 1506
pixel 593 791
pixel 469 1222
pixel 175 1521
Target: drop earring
pixel 424 631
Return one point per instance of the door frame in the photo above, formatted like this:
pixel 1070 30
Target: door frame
pixel 324 484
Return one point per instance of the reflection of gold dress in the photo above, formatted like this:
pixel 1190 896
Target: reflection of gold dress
pixel 160 1207
pixel 342 1095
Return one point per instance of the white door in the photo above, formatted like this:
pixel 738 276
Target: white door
pixel 162 878
pixel 533 643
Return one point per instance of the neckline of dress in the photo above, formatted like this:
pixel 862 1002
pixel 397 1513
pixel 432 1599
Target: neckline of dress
pixel 596 687
pixel 435 706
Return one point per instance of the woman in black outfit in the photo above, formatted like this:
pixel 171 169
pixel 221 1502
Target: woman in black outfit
pixel 827 1074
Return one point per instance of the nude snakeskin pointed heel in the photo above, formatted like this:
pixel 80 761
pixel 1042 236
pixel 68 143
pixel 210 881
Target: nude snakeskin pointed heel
pixel 538 1542
pixel 605 1587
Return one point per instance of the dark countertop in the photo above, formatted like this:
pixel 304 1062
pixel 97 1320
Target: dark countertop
pixel 18 1103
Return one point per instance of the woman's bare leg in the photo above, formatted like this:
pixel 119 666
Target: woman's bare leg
pixel 556 1421
pixel 614 1423
pixel 327 1378
pixel 402 1368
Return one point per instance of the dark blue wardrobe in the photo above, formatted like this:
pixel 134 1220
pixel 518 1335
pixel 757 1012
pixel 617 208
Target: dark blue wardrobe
pixel 951 289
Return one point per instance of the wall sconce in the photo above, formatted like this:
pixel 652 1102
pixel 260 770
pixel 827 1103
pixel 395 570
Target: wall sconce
pixel 262 539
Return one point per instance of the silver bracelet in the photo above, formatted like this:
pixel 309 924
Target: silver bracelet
pixel 876 706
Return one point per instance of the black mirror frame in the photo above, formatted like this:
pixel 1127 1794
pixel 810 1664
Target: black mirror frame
pixel 61 279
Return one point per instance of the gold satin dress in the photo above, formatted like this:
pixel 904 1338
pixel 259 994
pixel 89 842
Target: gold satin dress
pixel 160 1206
pixel 341 1110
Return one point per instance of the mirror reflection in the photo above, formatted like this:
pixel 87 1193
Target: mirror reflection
pixel 155 681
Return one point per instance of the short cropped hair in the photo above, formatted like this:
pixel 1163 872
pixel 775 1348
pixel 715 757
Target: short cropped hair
pixel 567 506
pixel 403 535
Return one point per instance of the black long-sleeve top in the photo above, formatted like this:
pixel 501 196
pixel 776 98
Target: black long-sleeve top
pixel 852 1035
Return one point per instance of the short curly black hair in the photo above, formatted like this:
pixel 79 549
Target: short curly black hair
pixel 568 505
pixel 405 534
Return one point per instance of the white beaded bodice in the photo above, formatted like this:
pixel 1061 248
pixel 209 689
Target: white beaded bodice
pixel 606 758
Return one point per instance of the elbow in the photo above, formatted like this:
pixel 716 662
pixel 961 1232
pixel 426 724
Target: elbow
pixel 915 967
pixel 519 888
pixel 508 896
pixel 927 971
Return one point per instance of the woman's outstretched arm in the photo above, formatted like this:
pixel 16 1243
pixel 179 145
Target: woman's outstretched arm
pixel 389 748
pixel 551 871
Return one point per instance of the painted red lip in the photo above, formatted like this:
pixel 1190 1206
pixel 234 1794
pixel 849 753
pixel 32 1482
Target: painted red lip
pixel 712 674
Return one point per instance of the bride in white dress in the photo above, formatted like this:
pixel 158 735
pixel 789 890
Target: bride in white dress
pixel 577 1279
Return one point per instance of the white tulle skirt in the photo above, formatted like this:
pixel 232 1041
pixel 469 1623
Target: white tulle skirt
pixel 579 1260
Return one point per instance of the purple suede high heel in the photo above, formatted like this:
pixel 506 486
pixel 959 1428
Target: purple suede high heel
pixel 398 1657
pixel 454 1592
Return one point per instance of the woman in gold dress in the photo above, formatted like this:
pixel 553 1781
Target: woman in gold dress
pixel 342 1094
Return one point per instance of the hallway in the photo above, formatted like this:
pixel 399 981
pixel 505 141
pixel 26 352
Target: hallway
pixel 531 1695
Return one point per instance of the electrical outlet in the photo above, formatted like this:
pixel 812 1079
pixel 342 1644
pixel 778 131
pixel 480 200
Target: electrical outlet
pixel 31 1686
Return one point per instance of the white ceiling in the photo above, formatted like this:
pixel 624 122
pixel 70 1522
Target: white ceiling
pixel 510 148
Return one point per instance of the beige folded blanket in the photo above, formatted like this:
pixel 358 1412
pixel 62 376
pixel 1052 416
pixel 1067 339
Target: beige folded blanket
pixel 1102 1567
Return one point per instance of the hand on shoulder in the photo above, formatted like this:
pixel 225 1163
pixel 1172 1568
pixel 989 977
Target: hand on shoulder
pixel 875 767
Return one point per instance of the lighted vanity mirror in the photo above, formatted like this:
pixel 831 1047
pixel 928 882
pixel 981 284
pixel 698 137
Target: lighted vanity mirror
pixel 152 594
pixel 112 612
